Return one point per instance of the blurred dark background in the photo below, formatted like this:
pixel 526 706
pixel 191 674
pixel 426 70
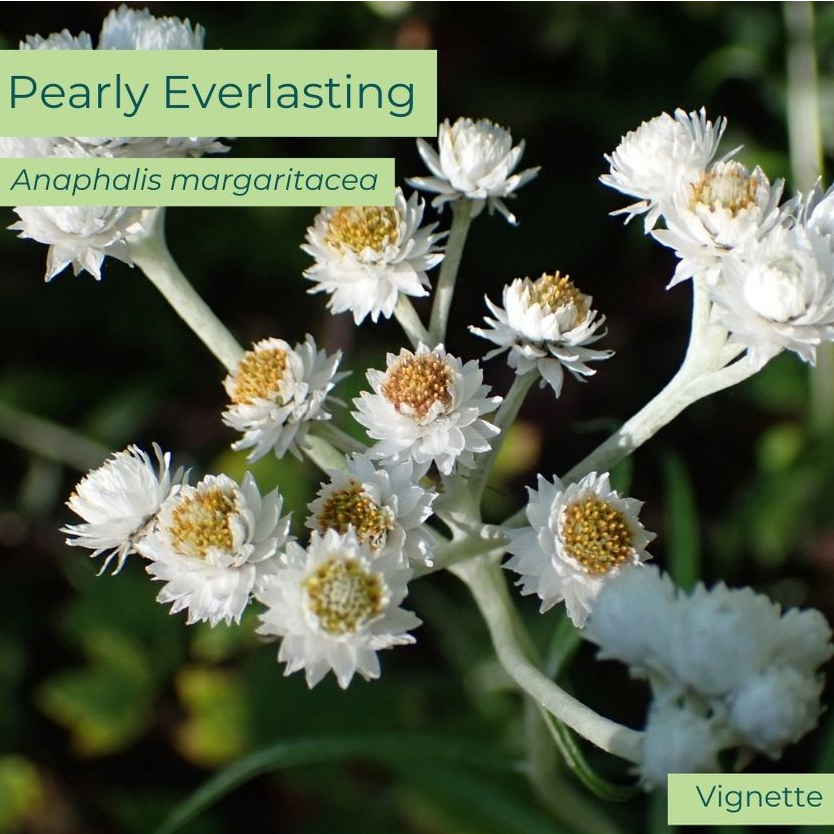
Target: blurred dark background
pixel 112 709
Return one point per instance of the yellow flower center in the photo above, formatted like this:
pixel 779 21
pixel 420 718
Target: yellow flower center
pixel 727 186
pixel 352 506
pixel 361 227
pixel 554 291
pixel 202 521
pixel 343 595
pixel 596 535
pixel 416 383
pixel 259 375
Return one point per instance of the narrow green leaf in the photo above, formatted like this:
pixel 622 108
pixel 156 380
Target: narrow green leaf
pixel 683 541
pixel 576 761
pixel 393 750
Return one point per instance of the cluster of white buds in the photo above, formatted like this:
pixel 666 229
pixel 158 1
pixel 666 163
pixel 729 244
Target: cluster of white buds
pixel 767 267
pixel 727 668
pixel 82 236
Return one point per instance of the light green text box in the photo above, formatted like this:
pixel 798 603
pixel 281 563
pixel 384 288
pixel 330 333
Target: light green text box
pixel 164 112
pixel 760 799
pixel 219 182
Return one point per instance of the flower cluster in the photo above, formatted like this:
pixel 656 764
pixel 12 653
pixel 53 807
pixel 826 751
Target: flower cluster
pixel 218 545
pixel 768 267
pixel 82 236
pixel 728 669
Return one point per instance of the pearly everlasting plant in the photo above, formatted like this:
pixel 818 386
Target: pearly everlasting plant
pixel 404 472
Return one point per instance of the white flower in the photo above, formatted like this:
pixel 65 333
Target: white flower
pixel 631 624
pixel 654 161
pixel 677 740
pixel 427 407
pixel 476 161
pixel 778 294
pixel 15 147
pixel 126 28
pixel 546 324
pixel 367 255
pixel 335 605
pixel 385 507
pixel 213 545
pixel 724 208
pixel 276 391
pixel 58 40
pixel 139 146
pixel 118 500
pixel 79 235
pixel 776 707
pixel 579 537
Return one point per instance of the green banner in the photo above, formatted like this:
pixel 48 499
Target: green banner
pixel 301 181
pixel 218 92
pixel 751 799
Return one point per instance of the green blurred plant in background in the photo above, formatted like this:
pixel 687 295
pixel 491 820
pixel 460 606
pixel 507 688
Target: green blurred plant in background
pixel 115 711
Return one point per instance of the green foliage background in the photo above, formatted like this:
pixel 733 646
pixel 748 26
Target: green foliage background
pixel 113 711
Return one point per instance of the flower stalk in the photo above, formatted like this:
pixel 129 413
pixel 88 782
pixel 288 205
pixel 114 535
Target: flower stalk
pixel 486 582
pixel 445 289
pixel 150 253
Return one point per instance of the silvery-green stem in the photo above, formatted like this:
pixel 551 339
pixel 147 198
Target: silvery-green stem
pixel 486 582
pixel 806 150
pixel 150 253
pixel 504 418
pixel 445 289
pixel 703 372
pixel 410 322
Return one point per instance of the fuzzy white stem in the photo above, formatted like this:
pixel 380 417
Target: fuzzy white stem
pixel 410 322
pixel 445 289
pixel 150 253
pixel 486 582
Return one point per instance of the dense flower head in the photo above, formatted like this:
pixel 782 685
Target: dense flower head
pixel 127 28
pixel 475 161
pixel 547 325
pixel 654 161
pixel 276 391
pixel 384 505
pixel 79 236
pixel 427 406
pixel 579 537
pixel 721 663
pixel 365 256
pixel 334 605
pixel 119 500
pixel 213 545
pixel 727 206
pixel 777 293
